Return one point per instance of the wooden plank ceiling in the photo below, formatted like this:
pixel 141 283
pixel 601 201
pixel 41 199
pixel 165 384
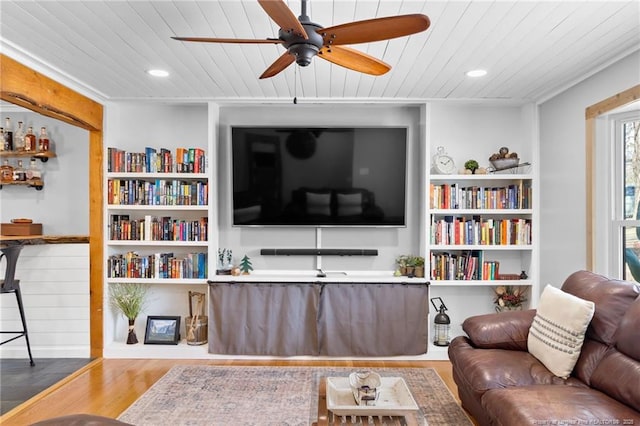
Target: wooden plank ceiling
pixel 531 49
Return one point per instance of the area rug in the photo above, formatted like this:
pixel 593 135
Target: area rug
pixel 260 396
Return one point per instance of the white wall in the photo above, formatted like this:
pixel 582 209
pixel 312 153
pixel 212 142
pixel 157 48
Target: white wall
pixel 62 206
pixel 562 173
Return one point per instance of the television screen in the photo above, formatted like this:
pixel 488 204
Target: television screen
pixel 295 176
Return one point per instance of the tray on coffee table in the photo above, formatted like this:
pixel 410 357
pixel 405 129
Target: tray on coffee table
pixel 395 398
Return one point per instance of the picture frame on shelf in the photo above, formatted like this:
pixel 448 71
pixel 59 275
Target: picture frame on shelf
pixel 162 330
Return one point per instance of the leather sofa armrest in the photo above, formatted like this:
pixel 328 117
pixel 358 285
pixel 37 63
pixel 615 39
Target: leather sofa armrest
pixel 506 330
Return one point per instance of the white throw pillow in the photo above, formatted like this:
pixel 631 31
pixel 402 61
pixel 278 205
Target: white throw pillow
pixel 558 329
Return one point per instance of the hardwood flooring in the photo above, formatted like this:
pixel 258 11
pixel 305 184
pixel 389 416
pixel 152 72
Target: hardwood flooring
pixel 108 386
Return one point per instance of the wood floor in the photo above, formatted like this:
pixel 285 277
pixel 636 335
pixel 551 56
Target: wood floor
pixel 108 386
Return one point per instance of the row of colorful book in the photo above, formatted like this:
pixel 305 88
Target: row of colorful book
pixel 463 266
pixel 152 160
pixel 460 230
pixel 154 228
pixel 454 196
pixel 157 265
pixel 159 192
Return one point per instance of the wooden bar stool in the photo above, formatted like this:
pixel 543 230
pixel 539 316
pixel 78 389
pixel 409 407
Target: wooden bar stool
pixel 11 285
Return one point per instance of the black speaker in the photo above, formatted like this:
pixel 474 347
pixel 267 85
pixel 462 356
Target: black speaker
pixel 317 252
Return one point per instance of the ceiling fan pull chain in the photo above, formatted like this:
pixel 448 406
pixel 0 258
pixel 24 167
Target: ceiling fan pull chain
pixel 295 86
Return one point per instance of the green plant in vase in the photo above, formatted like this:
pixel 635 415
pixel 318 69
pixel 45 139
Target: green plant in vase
pixel 471 165
pixel 418 266
pixel 129 299
pixel 401 262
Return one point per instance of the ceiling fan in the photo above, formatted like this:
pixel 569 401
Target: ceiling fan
pixel 304 39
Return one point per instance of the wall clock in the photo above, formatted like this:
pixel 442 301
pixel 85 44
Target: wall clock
pixel 442 163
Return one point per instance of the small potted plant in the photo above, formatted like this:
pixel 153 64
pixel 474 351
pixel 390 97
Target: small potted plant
pixel 128 299
pixel 471 165
pixel 401 261
pixel 418 268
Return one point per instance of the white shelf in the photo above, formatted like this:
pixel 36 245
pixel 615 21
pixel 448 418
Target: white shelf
pixel 479 283
pixel 155 207
pixel 140 350
pixel 163 281
pixel 162 176
pixel 450 247
pixel 155 243
pixel 453 212
pixel 470 178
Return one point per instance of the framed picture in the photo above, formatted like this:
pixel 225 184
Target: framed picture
pixel 162 330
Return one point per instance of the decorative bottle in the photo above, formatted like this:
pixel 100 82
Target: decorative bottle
pixel 1 139
pixel 6 171
pixel 18 137
pixel 8 135
pixel 19 173
pixel 43 141
pixel 30 140
pixel 33 172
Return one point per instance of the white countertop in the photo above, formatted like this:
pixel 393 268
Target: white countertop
pixel 312 277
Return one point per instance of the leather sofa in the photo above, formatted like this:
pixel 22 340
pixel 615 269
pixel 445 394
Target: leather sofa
pixel 501 383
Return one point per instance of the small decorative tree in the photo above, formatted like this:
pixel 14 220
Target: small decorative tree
pixel 245 265
pixel 471 165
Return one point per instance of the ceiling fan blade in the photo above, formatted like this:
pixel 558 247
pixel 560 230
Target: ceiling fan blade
pixel 280 64
pixel 280 13
pixel 229 40
pixel 374 29
pixel 354 60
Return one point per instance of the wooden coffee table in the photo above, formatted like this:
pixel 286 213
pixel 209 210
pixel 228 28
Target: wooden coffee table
pixel 327 418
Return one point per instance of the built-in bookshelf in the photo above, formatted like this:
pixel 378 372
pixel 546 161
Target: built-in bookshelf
pixel 480 229
pixel 158 213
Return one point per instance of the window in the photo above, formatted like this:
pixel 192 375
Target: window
pixel 625 195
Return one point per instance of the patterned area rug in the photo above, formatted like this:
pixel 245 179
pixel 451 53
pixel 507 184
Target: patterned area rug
pixel 283 396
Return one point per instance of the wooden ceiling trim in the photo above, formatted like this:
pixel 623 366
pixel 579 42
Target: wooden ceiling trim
pixel 23 86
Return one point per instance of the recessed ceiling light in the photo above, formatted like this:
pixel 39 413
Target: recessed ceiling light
pixel 476 73
pixel 158 73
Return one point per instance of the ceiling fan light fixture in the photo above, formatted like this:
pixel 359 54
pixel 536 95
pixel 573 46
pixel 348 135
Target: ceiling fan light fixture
pixel 476 73
pixel 158 73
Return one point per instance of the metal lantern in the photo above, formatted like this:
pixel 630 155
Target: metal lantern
pixel 442 324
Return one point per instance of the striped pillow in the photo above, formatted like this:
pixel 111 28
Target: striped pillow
pixel 558 329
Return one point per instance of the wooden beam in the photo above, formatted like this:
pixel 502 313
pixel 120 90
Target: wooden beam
pixel 591 114
pixel 25 87
pixel 615 101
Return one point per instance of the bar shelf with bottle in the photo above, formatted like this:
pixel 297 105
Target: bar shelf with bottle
pixel 40 155
pixel 19 175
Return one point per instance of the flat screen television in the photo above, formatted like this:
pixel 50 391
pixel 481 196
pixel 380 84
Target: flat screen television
pixel 319 176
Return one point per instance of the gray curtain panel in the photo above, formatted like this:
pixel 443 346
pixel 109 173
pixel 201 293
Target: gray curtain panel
pixel 373 320
pixel 333 319
pixel 263 319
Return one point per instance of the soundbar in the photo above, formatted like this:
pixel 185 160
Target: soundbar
pixel 318 252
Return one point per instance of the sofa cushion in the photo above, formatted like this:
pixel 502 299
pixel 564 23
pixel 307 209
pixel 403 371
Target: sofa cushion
pixel 553 404
pixel 558 329
pixel 612 299
pixel 509 330
pixel 618 374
